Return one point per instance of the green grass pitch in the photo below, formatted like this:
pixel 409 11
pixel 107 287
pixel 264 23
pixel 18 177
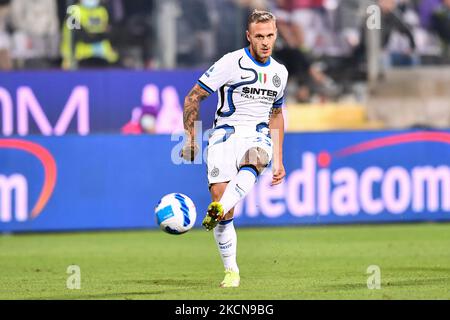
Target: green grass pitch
pixel 327 262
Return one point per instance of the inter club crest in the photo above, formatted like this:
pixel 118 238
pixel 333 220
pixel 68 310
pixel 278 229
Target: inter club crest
pixel 276 81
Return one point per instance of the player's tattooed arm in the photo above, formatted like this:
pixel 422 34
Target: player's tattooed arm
pixel 276 111
pixel 191 109
pixel 190 115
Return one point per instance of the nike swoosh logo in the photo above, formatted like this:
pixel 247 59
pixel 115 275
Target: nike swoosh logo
pixel 243 78
pixel 222 244
pixel 237 186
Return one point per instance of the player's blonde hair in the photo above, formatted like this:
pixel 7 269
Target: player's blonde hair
pixel 258 16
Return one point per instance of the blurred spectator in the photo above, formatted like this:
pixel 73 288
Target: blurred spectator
pixel 196 43
pixel 428 49
pixel 133 31
pixel 306 15
pixel 340 36
pixel 156 115
pixel 143 120
pixel 245 8
pixel 441 23
pixel 289 50
pixel 229 23
pixel 35 37
pixel 5 42
pixel 425 10
pixel 88 45
pixel 320 40
pixel 396 53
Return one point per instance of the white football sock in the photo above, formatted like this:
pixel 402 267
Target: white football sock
pixel 238 188
pixel 226 240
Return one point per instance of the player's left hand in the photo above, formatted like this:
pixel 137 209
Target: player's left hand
pixel 278 173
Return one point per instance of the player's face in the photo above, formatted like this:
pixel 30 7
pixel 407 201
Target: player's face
pixel 262 38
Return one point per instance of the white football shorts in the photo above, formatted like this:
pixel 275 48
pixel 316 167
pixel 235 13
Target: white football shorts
pixel 227 147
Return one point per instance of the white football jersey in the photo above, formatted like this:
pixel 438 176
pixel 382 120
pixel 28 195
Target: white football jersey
pixel 248 89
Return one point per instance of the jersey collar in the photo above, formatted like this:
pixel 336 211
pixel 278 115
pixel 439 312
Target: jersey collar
pixel 247 51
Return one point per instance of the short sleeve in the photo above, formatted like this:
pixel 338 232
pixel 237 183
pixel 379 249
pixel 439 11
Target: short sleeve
pixel 279 100
pixel 216 76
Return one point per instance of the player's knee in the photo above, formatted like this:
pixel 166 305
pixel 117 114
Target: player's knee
pixel 256 157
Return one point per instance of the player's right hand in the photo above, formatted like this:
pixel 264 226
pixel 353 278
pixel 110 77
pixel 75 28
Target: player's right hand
pixel 189 151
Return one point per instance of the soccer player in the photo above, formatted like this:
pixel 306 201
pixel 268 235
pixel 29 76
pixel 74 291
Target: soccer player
pixel 248 130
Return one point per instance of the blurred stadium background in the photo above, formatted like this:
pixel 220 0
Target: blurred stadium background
pixel 91 114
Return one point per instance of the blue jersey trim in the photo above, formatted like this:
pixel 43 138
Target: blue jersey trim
pixel 261 126
pixel 279 102
pixel 222 102
pixel 247 51
pixel 229 130
pixel 204 86
pixel 234 87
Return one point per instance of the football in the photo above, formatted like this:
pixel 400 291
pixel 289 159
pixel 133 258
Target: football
pixel 175 213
